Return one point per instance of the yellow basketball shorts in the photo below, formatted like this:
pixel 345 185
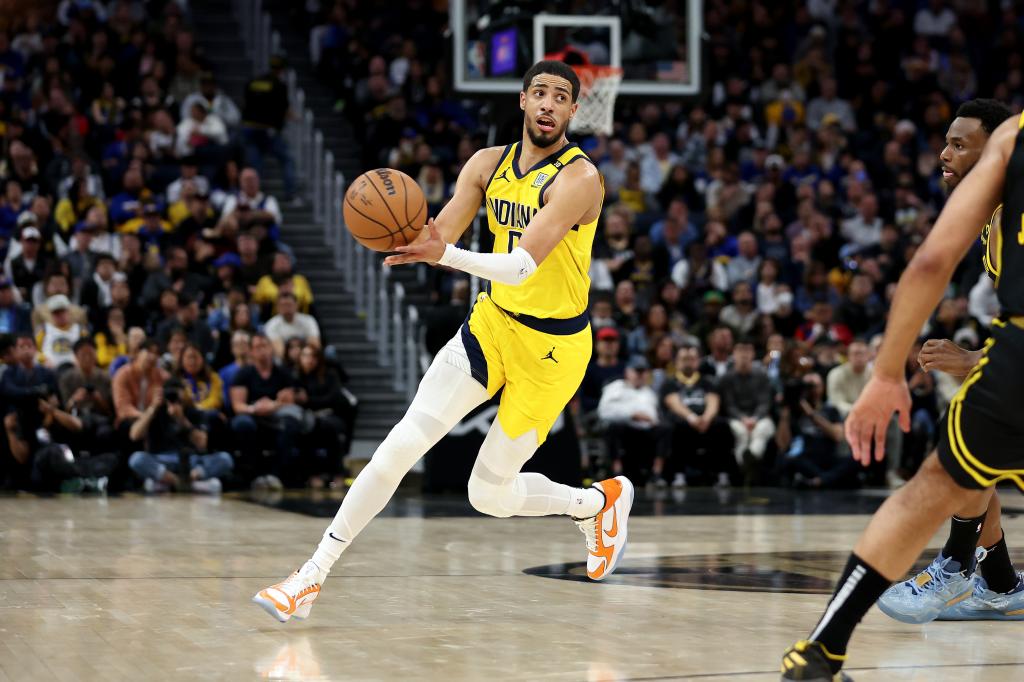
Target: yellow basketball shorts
pixel 540 362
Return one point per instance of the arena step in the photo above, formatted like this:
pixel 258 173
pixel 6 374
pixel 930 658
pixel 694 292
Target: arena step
pixel 341 323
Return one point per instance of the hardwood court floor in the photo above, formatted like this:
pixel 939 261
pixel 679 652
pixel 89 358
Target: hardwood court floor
pixel 137 588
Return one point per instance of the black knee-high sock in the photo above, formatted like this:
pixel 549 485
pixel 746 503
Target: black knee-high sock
pixel 997 569
pixel 859 588
pixel 962 541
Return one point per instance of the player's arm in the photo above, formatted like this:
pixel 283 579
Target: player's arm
pixel 576 193
pixel 924 281
pixel 458 213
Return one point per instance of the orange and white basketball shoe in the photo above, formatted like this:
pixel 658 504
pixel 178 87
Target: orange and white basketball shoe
pixel 294 596
pixel 606 532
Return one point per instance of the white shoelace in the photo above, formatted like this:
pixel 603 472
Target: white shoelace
pixel 589 529
pixel 300 580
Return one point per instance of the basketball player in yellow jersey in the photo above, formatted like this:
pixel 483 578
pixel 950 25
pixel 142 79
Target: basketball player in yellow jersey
pixel 530 335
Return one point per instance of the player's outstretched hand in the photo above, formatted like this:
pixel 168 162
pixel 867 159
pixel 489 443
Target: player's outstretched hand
pixel 870 416
pixel 945 356
pixel 427 250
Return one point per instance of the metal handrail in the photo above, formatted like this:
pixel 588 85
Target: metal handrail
pixel 392 325
pixel 342 243
pixel 383 318
pixel 318 170
pixel 398 337
pixel 275 43
pixel 345 244
pixel 306 134
pixel 359 289
pixel 370 298
pixel 412 352
pixel 326 201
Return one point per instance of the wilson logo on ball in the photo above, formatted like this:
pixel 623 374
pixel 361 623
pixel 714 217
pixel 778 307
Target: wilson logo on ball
pixel 385 178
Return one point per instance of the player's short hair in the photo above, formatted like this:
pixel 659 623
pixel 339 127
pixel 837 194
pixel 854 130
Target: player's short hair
pixel 555 68
pixel 991 112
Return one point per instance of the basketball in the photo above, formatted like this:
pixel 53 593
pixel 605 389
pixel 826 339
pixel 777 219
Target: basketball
pixel 384 208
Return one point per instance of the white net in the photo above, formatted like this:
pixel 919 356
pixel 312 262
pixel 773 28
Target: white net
pixel 598 87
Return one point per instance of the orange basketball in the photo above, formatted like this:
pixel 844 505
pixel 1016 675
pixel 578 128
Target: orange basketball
pixel 384 208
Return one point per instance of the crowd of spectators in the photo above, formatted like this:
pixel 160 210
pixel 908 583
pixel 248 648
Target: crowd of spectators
pixel 751 240
pixel 154 332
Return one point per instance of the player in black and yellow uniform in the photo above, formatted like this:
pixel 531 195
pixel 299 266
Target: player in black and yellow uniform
pixel 909 601
pixel 530 336
pixel 983 442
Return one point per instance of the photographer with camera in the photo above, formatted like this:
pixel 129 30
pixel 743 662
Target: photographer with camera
pixel 38 431
pixel 26 383
pixel 810 431
pixel 85 392
pixel 172 443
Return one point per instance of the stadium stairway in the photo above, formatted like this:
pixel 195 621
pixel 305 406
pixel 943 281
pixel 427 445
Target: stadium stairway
pixel 219 35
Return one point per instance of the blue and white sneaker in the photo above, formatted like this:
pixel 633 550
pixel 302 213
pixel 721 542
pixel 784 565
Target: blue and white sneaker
pixel 984 604
pixel 922 598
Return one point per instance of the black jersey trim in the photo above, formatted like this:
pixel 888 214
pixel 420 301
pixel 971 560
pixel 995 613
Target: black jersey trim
pixel 540 164
pixel 561 167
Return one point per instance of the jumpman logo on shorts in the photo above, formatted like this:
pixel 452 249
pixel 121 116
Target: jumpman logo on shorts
pixel 550 355
pixel 503 176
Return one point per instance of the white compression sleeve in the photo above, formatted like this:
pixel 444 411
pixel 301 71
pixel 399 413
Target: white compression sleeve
pixel 447 393
pixel 498 488
pixel 508 268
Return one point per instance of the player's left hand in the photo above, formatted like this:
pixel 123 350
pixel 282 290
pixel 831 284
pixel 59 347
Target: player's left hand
pixel 427 250
pixel 945 356
pixel 869 419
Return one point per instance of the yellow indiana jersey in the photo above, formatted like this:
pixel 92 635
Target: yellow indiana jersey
pixel 560 286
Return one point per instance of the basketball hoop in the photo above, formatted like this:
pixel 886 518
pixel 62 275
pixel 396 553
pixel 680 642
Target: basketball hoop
pixel 599 85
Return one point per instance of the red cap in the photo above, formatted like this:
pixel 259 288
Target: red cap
pixel 605 333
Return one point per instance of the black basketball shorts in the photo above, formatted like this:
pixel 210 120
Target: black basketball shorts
pixel 981 440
